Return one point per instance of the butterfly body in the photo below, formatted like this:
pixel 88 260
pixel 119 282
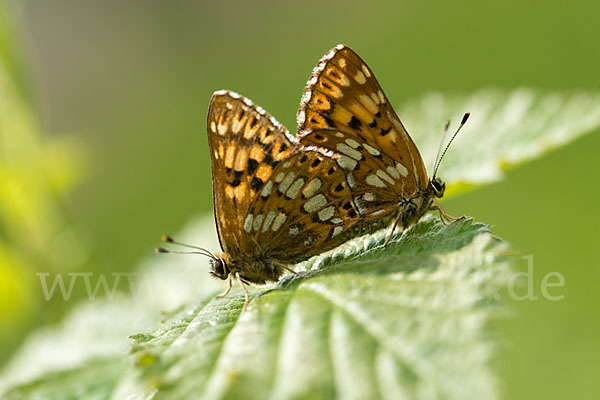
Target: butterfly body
pixel 258 269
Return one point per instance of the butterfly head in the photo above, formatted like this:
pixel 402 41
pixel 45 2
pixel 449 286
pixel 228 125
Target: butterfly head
pixel 437 187
pixel 219 268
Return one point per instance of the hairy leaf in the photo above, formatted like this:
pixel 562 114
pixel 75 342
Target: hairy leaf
pixel 367 322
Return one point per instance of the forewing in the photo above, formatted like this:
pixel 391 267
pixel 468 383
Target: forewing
pixel 305 208
pixel 344 106
pixel 246 145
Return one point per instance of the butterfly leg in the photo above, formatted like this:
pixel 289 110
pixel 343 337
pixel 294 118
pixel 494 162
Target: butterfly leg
pixel 442 217
pixel 392 231
pixel 237 276
pixel 229 284
pixel 444 214
pixel 293 272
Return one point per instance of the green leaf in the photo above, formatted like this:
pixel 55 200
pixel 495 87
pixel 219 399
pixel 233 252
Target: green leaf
pixel 368 322
pixel 95 379
pixel 82 354
pixel 505 128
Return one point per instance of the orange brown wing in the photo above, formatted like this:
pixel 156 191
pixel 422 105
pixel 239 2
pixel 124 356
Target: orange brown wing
pixel 246 145
pixel 344 110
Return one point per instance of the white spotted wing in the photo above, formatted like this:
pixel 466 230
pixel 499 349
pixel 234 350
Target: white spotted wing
pixel 344 110
pixel 273 200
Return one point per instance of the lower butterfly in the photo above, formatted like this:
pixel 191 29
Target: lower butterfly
pixel 345 110
pixel 275 203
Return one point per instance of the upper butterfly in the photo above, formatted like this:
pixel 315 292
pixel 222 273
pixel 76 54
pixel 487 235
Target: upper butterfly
pixel 344 110
pixel 275 203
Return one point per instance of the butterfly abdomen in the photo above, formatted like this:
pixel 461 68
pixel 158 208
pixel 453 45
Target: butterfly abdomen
pixel 258 270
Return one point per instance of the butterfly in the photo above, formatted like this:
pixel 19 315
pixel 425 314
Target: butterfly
pixel 279 200
pixel 275 203
pixel 344 110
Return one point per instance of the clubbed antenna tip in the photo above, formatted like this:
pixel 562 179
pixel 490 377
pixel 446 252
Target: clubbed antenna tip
pixel 465 118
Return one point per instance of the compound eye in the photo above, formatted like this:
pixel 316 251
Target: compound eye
pixel 439 187
pixel 219 270
pixel 219 267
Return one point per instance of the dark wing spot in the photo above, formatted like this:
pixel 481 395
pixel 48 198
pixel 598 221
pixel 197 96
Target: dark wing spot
pixel 269 131
pixel 228 170
pixel 339 187
pixel 315 217
pixel 330 122
pixel 319 137
pixel 252 166
pixel 316 162
pixel 378 115
pixel 303 159
pixel 331 171
pixel 384 132
pixel 237 178
pixel 373 124
pixel 354 123
pixel 256 184
pixel 347 206
pixel 352 214
pixel 282 147
pixel 269 158
pixel 253 122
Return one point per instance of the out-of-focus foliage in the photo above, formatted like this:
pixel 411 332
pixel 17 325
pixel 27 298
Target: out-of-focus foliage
pixel 35 174
pixel 506 128
pixel 85 352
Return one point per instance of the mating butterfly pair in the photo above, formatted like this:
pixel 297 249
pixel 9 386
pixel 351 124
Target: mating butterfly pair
pixel 278 200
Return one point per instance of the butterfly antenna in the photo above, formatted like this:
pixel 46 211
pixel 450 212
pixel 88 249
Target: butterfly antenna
pixel 462 123
pixel 161 250
pixel 446 126
pixel 168 239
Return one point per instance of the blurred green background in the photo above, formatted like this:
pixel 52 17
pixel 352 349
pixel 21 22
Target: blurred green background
pixel 117 94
